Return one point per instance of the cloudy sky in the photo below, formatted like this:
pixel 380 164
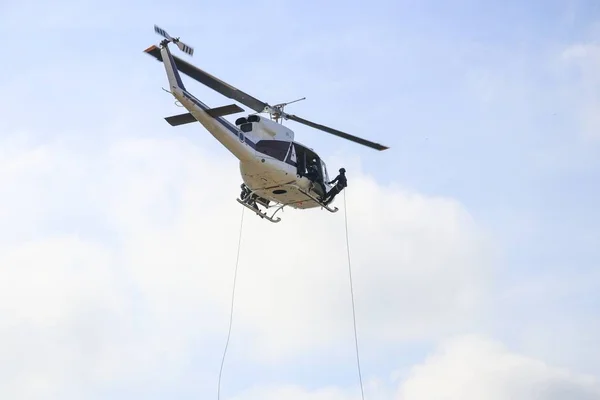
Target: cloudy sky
pixel 474 239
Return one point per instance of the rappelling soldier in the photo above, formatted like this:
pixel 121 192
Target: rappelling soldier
pixel 342 182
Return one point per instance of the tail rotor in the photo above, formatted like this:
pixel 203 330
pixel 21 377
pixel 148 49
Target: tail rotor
pixel 182 46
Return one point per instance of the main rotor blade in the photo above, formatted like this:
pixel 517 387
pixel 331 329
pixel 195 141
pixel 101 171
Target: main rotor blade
pixel 212 82
pixel 341 134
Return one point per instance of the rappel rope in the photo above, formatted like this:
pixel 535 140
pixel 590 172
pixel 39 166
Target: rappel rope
pixel 362 392
pixel 351 295
pixel 232 303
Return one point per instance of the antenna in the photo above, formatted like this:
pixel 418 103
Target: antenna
pixel 279 109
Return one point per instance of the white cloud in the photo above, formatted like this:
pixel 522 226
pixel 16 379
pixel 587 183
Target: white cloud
pixel 463 368
pixel 475 368
pixel 119 259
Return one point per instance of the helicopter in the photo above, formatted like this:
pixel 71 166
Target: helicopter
pixel 276 170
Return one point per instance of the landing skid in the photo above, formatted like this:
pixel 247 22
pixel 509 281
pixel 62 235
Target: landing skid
pixel 262 214
pixel 256 210
pixel 332 210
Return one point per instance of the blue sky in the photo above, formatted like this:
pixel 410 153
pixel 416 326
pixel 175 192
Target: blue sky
pixel 489 112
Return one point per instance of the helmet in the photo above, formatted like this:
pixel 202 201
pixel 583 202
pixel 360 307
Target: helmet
pixel 342 170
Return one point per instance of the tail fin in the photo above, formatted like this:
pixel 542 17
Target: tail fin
pixel 175 81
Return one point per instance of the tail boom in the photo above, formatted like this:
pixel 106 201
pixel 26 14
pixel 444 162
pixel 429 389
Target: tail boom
pixel 224 131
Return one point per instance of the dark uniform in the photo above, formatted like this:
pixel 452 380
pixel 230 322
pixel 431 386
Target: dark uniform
pixel 315 177
pixel 342 182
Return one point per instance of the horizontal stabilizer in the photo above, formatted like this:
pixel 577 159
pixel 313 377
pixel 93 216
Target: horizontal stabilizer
pixel 224 110
pixel 181 119
pixel 188 118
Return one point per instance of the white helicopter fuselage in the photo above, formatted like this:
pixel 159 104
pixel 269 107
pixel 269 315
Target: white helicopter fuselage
pixel 274 167
pixel 269 158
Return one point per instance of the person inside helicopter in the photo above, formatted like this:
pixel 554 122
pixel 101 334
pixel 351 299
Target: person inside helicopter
pixel 314 175
pixel 312 171
pixel 342 182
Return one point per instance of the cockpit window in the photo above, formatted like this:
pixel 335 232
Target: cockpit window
pixel 277 149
